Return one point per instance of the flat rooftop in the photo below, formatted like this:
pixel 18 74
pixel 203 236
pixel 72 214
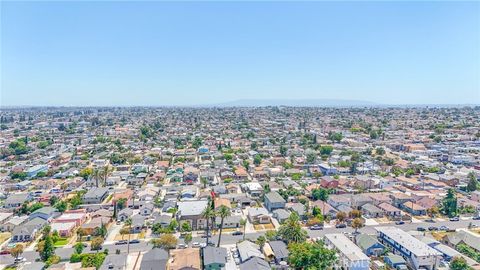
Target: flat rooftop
pixel 409 242
pixel 347 247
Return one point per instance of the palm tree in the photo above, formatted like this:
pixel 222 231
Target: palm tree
pixel 105 173
pixel 208 214
pixel 223 212
pixel 243 223
pixel 291 231
pixel 97 174
pixel 128 222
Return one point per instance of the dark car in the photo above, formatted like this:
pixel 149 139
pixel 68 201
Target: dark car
pixel 135 241
pixel 476 218
pixel 341 226
pixel 316 227
pixel 400 222
pixel 205 235
pixel 121 242
pixel 430 220
pixel 454 219
pixel 432 228
pixel 237 233
pixel 421 229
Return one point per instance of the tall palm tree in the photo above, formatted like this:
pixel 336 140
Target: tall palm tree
pixel 223 212
pixel 128 222
pixel 243 223
pixel 208 214
pixel 105 173
pixel 97 174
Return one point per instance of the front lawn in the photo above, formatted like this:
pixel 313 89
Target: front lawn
pixel 61 242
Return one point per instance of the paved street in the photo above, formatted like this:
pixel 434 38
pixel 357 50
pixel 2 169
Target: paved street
pixel 228 239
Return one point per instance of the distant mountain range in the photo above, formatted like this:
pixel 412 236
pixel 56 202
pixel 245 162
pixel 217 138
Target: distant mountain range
pixel 297 103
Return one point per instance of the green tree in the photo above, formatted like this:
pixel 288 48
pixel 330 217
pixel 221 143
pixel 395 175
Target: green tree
pixel 306 256
pixel 257 159
pixel 449 203
pixel 357 223
pixel 165 241
pixel 208 214
pixel 459 263
pixel 326 150
pixel 96 243
pixel 188 238
pixel 335 136
pixel 16 251
pixel 472 182
pixel 47 249
pixel 223 212
pixel 243 223
pixel 186 227
pixel 261 240
pixel 86 173
pixel 78 247
pixel 291 231
pixel 61 206
pixel 380 151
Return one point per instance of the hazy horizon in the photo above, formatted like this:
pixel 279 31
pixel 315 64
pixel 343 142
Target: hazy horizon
pixel 207 53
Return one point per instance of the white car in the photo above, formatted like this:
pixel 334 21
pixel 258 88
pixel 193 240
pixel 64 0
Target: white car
pixel 195 244
pixel 20 259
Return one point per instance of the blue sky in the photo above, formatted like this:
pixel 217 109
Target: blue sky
pixel 189 53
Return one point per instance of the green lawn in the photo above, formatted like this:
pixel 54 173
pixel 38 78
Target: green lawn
pixel 61 242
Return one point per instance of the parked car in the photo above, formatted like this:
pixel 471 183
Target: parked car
pixel 195 244
pixel 5 252
pixel 476 218
pixel 421 229
pixel 400 222
pixel 430 220
pixel 432 228
pixel 316 227
pixel 135 241
pixel 20 259
pixel 454 219
pixel 237 233
pixel 181 246
pixel 121 242
pixel 443 228
pixel 205 235
pixel 341 226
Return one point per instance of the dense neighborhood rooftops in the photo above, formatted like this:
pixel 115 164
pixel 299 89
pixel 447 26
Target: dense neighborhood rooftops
pixel 409 242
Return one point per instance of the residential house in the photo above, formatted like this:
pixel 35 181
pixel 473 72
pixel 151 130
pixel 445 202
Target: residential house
pixel 27 231
pixel 273 201
pixel 280 251
pixel 390 210
pixel 417 254
pixel 183 259
pixel 258 215
pixel 372 211
pixel 154 259
pixel 16 200
pixel 281 215
pixel 191 211
pixel 214 258
pixel 255 263
pixel 248 250
pixel 228 222
pixel 95 195
pixel 47 213
pixel 124 214
pixel 395 261
pixel 350 256
pixel 369 245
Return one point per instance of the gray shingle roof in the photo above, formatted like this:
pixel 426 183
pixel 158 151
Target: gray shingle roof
pixel 214 255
